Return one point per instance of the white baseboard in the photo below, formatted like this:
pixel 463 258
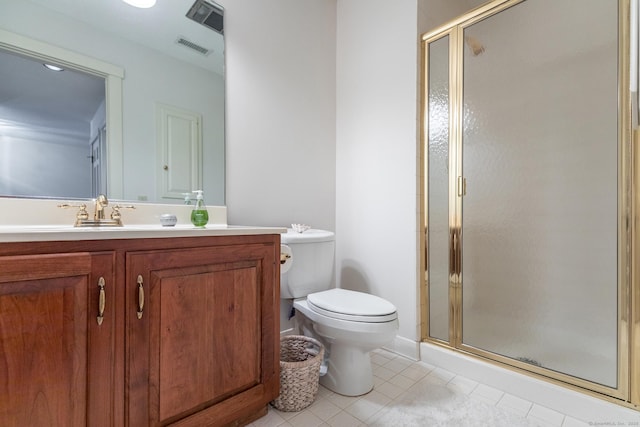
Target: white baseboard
pixel 286 332
pixel 569 402
pixel 405 347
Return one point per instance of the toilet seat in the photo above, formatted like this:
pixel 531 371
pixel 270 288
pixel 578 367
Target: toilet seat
pixel 352 306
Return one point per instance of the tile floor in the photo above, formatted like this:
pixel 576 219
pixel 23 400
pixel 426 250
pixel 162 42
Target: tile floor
pixel 394 376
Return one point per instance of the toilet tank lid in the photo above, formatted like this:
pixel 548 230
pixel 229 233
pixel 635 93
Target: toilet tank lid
pixel 351 302
pixel 310 236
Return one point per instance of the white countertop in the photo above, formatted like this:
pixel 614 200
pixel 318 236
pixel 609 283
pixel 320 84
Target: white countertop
pixel 54 233
pixel 30 220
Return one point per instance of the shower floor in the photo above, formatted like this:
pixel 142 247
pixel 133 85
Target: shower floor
pixel 555 349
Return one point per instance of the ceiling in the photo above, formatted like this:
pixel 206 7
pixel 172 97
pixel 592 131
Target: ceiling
pixel 157 27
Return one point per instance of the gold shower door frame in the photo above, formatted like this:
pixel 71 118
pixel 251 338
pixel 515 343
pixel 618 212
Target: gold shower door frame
pixel 627 392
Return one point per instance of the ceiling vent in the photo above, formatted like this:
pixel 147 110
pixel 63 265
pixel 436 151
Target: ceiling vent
pixel 208 14
pixel 193 46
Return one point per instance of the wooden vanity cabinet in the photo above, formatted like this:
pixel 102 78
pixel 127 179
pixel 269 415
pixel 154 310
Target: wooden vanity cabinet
pixel 190 334
pixel 201 330
pixel 57 364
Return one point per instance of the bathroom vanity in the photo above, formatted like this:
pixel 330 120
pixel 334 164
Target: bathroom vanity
pixel 118 328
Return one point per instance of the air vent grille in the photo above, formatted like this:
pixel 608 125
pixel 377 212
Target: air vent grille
pixel 193 46
pixel 209 14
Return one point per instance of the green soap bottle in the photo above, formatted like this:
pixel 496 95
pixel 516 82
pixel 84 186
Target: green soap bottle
pixel 199 214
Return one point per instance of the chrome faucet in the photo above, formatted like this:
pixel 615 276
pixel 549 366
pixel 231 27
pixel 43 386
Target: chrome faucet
pixel 99 220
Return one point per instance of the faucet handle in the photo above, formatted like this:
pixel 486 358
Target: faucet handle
pixel 82 212
pixel 115 211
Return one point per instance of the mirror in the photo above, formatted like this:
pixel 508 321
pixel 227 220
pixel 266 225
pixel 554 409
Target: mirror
pixel 164 114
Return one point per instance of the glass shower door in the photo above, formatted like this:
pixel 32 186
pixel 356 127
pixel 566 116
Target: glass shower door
pixel 540 217
pixel 437 165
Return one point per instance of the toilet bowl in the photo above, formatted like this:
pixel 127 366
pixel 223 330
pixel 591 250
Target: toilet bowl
pixel 350 328
pixel 349 324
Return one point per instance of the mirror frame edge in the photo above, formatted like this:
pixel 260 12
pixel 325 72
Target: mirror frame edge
pixel 115 145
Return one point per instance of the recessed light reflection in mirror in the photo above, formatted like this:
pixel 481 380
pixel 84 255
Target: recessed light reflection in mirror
pixel 142 4
pixel 53 67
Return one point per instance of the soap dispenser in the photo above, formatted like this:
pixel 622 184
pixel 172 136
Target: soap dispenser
pixel 199 214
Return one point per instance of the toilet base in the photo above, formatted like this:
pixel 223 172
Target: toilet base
pixel 348 345
pixel 349 371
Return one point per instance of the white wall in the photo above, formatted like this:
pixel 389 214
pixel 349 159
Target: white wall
pixel 293 144
pixel 376 161
pixel 280 143
pixel 434 13
pixel 280 112
pixel 31 163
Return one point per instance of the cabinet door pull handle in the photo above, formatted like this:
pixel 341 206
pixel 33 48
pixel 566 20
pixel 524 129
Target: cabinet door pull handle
pixel 101 300
pixel 140 297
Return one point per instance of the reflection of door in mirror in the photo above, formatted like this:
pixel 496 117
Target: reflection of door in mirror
pixel 47 117
pixel 179 139
pixel 98 163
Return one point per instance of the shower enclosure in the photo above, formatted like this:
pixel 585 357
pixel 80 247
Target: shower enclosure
pixel 528 192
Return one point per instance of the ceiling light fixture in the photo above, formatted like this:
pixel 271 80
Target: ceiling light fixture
pixel 53 67
pixel 143 4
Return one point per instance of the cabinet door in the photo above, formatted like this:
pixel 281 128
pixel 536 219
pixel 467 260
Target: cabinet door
pixel 105 402
pixel 201 349
pixel 46 376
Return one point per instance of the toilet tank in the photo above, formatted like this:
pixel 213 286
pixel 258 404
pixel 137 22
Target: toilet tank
pixel 312 258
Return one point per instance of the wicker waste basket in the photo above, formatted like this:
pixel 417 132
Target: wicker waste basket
pixel 300 360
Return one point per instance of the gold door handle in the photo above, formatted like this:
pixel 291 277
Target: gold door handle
pixel 462 186
pixel 101 301
pixel 140 297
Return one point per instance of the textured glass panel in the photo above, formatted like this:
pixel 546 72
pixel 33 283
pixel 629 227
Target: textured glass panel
pixel 438 190
pixel 540 214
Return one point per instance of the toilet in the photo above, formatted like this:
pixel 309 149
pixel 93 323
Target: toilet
pixel 349 324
